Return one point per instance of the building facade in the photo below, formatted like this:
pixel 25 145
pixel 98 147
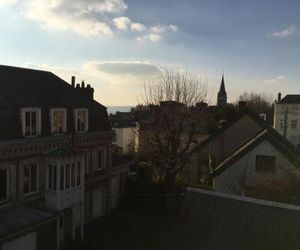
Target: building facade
pixel 287 117
pixel 55 158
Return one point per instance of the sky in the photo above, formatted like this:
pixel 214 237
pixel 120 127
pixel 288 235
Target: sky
pixel 119 45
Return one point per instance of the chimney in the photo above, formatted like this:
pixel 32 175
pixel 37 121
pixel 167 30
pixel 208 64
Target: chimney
pixel 279 97
pixel 73 81
pixel 90 91
pixel 82 84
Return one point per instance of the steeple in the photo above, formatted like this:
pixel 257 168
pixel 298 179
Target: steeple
pixel 222 95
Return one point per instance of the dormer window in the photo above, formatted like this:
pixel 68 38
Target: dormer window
pixel 31 121
pixel 81 120
pixel 58 121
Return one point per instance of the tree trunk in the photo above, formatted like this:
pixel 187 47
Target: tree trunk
pixel 170 191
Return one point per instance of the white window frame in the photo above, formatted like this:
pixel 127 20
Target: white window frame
pixel 64 128
pixel 86 122
pixel 38 119
pixel 103 165
pixel 27 162
pixel 7 184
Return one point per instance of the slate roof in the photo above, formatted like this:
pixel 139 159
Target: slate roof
pixel 256 118
pixel 279 144
pixel 14 219
pixel 290 99
pixel 212 221
pixel 21 87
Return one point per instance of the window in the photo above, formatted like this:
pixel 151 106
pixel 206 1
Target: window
pixel 58 121
pixel 62 177
pixel 73 174
pixel 31 121
pixel 52 177
pixel 3 184
pixel 100 159
pixel 30 178
pixel 265 164
pixel 78 173
pixel 294 124
pixel 81 120
pixel 68 177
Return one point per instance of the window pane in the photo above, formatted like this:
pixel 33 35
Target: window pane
pixel 81 117
pixel 54 177
pixel 27 123
pixel 100 159
pixel 68 176
pixel 265 164
pixel 3 184
pixel 50 177
pixel 62 176
pixel 73 174
pixel 58 117
pixel 33 123
pixel 78 173
pixel 33 178
pixel 26 179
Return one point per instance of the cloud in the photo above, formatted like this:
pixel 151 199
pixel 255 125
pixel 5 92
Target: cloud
pixel 84 17
pixel 121 68
pixel 275 79
pixel 137 27
pixel 163 29
pixel 89 18
pixel 291 30
pixel 150 37
pixel 155 33
pixel 124 23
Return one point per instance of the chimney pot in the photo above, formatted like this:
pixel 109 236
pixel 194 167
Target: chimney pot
pixel 73 81
pixel 279 97
pixel 82 84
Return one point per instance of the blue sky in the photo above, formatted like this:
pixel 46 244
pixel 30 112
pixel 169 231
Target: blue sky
pixel 117 45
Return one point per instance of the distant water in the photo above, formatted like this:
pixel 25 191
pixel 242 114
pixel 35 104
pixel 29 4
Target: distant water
pixel 114 109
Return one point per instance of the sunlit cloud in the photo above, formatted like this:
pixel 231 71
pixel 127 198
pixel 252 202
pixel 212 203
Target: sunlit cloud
pixel 87 18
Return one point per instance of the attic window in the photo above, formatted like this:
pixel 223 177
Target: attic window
pixel 265 164
pixel 31 121
pixel 81 120
pixel 58 121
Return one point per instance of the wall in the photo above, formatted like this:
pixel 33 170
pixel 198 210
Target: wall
pixel 125 138
pixel 293 113
pixel 243 171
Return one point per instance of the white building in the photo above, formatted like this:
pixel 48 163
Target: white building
pixel 287 117
pixel 125 138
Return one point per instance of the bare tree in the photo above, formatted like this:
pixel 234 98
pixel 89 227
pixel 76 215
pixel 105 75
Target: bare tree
pixel 171 130
pixel 258 102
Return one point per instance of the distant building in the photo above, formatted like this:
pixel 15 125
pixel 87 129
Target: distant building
pixel 56 174
pixel 222 95
pixel 125 131
pixel 287 117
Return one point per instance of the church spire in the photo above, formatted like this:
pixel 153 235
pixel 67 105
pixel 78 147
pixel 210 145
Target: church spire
pixel 222 95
